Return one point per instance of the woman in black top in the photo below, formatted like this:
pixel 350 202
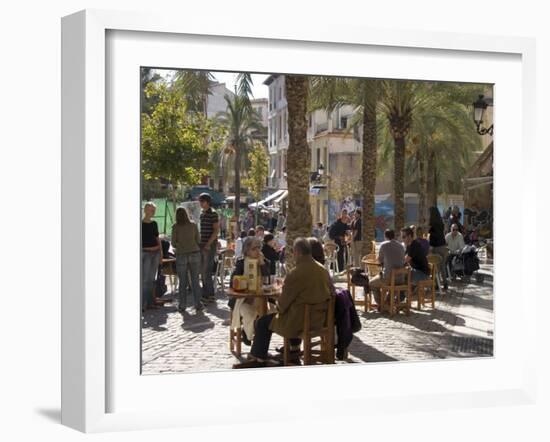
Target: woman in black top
pixel 151 255
pixel 438 246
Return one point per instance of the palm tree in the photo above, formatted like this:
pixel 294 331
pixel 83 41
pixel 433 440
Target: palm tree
pixel 196 86
pixel 442 139
pixel 399 99
pixel 299 213
pixel 330 92
pixel 242 125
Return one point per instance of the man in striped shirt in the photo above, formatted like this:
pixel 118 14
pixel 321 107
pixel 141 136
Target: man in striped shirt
pixel 209 227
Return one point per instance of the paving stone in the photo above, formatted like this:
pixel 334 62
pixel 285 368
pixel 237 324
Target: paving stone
pixel 461 326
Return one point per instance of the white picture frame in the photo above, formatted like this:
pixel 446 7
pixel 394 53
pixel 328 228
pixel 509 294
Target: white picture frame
pixel 86 352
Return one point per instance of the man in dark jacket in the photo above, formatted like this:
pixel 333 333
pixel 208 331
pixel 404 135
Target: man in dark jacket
pixel 337 233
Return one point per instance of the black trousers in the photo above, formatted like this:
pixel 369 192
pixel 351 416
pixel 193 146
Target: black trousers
pixel 262 337
pixel 341 253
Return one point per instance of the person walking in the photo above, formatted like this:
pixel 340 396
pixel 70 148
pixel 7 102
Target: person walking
pixel 209 228
pixel 186 241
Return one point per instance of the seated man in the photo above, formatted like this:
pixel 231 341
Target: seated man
pixel 391 256
pixel 455 244
pixel 414 256
pixel 307 283
pixel 454 239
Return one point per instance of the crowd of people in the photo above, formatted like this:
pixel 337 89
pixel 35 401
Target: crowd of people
pixel 195 248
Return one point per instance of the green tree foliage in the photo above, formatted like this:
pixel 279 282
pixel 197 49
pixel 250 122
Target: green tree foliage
pixel 175 143
pixel 195 87
pixel 257 174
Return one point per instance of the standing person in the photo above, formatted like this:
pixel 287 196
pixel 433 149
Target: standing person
pixel 223 225
pixel 414 256
pixel 281 221
pixel 260 232
pixel 455 218
pixel 239 244
pixel 281 237
pixel 438 246
pixel 356 238
pixel 273 223
pixel 337 233
pixel 151 255
pixel 209 239
pixel 186 240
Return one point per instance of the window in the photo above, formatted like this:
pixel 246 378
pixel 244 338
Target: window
pixel 343 122
pixel 318 157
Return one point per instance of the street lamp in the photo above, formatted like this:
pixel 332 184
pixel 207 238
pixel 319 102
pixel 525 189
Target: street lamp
pixel 479 111
pixel 317 175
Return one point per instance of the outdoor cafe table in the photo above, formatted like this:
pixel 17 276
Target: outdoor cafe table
pixel 260 298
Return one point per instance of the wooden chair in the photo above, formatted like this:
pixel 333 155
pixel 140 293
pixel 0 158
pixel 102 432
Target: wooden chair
pixel 437 262
pixel 325 353
pixel 400 282
pixel 235 340
pixel 427 284
pixel 372 268
pixel 351 287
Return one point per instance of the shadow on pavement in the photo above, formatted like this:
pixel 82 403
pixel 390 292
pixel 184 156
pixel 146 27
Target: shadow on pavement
pixel 367 353
pixel 155 319
pixel 196 323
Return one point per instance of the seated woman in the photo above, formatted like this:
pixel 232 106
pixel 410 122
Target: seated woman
pixel 244 309
pixel 269 250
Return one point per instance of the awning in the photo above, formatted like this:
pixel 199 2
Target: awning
pixel 474 183
pixel 271 197
pixel 282 196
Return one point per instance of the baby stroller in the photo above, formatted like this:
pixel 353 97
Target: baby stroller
pixel 464 264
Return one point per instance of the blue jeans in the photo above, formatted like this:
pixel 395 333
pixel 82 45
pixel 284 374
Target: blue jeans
pixel 207 271
pixel 418 275
pixel 188 265
pixel 149 265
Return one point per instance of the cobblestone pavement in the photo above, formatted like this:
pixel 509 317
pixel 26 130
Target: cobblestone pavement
pixel 460 326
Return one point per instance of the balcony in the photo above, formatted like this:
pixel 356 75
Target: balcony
pixel 323 127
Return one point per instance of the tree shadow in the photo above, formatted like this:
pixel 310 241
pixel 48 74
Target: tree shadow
pixel 478 301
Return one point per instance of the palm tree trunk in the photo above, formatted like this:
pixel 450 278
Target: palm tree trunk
pixel 368 172
pixel 299 213
pixel 422 190
pixel 399 182
pixel 431 180
pixel 237 203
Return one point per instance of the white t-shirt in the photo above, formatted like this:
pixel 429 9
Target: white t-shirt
pixel 455 244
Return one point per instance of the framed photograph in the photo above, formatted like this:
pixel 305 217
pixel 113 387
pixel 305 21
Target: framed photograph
pixel 160 180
